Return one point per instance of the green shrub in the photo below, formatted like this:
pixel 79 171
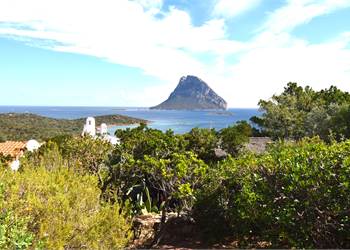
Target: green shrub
pixel 295 195
pixel 234 137
pixel 59 209
pixel 14 233
pixel 4 160
pixel 85 155
pixel 299 112
pixel 203 143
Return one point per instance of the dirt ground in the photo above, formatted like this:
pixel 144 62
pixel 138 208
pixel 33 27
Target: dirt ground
pixel 179 233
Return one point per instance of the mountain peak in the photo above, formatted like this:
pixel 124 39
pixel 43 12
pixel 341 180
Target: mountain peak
pixel 192 93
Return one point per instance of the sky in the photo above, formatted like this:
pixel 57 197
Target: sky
pixel 133 52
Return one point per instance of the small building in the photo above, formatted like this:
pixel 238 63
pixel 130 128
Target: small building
pixel 100 132
pixel 103 129
pixel 90 127
pixel 16 149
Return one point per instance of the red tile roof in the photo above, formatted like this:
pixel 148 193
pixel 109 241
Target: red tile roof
pixel 12 148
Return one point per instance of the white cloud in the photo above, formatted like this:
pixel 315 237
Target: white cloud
pixel 274 57
pixel 148 4
pixel 128 33
pixel 298 12
pixel 119 31
pixel 232 8
pixel 264 71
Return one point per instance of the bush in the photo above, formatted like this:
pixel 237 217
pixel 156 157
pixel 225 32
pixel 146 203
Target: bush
pixel 295 195
pixel 14 233
pixel 203 142
pixel 298 112
pixel 84 155
pixel 234 137
pixel 4 160
pixel 60 209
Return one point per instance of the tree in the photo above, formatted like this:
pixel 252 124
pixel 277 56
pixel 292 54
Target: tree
pixel 155 172
pixel 340 122
pixel 284 115
pixel 298 112
pixel 234 137
pixel 203 142
pixel 296 195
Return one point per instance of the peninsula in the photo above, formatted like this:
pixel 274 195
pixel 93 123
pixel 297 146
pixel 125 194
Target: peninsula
pixel 25 126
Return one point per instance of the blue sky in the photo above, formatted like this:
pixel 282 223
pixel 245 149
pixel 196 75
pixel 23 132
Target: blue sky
pixel 133 52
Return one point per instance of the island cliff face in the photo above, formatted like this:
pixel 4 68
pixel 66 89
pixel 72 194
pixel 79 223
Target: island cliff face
pixel 193 93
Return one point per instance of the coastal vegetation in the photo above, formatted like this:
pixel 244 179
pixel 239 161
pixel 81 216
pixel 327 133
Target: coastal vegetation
pixel 303 112
pixel 57 209
pixel 294 195
pixel 21 127
pixel 80 192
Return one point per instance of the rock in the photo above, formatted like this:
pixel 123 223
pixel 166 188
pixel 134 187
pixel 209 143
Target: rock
pixel 193 93
pixel 145 227
pixel 258 145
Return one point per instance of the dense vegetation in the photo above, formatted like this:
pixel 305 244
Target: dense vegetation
pixel 299 112
pixel 57 209
pixel 294 195
pixel 150 171
pixel 22 127
pixel 79 192
pixel 4 159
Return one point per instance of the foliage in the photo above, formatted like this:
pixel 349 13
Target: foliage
pixel 60 209
pixel 300 112
pixel 85 155
pixel 203 143
pixel 234 137
pixel 155 170
pixel 67 194
pixel 295 195
pixel 4 159
pixel 2 138
pixel 340 122
pixel 22 127
pixel 157 162
pixel 142 141
pixel 14 233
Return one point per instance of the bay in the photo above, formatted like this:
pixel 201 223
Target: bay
pixel 180 121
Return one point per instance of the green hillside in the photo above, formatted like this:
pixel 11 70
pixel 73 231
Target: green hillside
pixel 15 126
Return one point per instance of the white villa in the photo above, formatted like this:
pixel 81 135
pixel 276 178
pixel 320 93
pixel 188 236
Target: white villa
pixel 100 132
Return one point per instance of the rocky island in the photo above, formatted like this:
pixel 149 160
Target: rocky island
pixel 193 93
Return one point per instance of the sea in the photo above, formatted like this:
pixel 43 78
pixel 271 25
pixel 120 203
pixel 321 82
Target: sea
pixel 178 121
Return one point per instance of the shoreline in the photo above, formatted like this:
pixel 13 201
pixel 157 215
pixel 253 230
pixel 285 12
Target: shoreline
pixel 26 126
pixel 126 124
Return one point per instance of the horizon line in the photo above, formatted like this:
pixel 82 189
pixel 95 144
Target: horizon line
pixel 83 106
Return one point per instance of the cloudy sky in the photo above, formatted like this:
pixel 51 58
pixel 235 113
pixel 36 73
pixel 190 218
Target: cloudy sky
pixel 133 52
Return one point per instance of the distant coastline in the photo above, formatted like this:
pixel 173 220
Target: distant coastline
pixel 26 126
pixel 178 121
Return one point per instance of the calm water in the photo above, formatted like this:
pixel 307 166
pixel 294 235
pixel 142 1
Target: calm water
pixel 178 121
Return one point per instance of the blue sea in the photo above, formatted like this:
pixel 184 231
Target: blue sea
pixel 178 121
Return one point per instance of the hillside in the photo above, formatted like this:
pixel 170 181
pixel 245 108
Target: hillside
pixel 193 93
pixel 14 126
